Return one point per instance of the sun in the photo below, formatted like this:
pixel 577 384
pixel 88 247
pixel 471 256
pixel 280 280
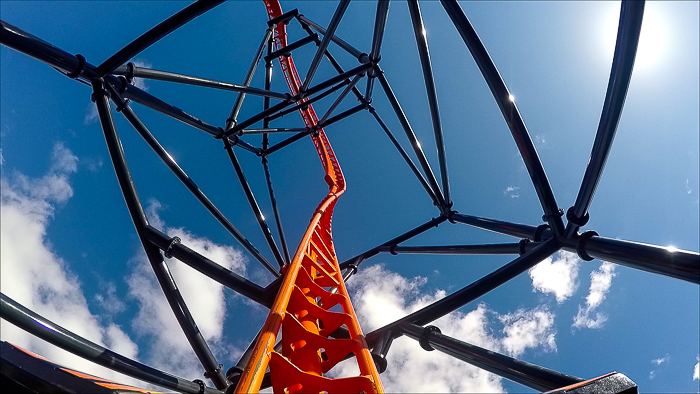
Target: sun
pixel 653 43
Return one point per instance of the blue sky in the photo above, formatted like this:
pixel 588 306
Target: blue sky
pixel 69 249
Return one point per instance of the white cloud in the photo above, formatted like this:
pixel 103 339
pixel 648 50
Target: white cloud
pixel 381 296
pixel 657 364
pixel 33 275
pixel 91 115
pixel 168 347
pixel 140 82
pixel 696 371
pixel 556 274
pixel 601 280
pixel 109 301
pixel 659 361
pixel 511 191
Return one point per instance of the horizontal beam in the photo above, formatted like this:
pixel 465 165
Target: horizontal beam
pixel 511 248
pixel 54 334
pixel 360 56
pixel 506 228
pixel 527 374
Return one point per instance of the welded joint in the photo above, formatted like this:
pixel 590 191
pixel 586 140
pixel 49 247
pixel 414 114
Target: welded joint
pixel 581 246
pixel 381 349
pixel 101 91
pixel 579 222
pixel 215 371
pixel 173 241
pixel 449 215
pixel 559 213
pixel 130 70
pixel 539 231
pixel 392 249
pixel 522 245
pixel 81 66
pixel 424 340
pixel 202 386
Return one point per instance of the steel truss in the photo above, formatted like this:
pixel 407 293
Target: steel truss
pixel 112 80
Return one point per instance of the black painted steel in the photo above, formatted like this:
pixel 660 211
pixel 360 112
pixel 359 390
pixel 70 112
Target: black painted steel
pixel 434 222
pixel 424 53
pixel 244 145
pixel 405 156
pixel 256 118
pixel 287 50
pixel 282 144
pixel 156 33
pixel 233 117
pixel 516 230
pixel 374 56
pixel 341 77
pixel 207 267
pixel 274 130
pixel 149 73
pixel 361 57
pixel 309 101
pixel 473 291
pixel 340 98
pixel 138 216
pixel 527 374
pixel 630 26
pixel 136 123
pixel 512 248
pixel 56 335
pixel 510 113
pixel 328 36
pixel 417 148
pixel 254 205
pixel 275 211
pixel 675 263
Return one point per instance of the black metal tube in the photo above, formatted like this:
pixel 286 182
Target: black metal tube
pixel 256 118
pixel 287 50
pixel 424 53
pixel 275 211
pixel 522 372
pixel 434 222
pixel 136 123
pixel 207 267
pixel 332 81
pixel 405 156
pixel 327 37
pixel 374 56
pixel 274 130
pixel 361 57
pixel 56 335
pixel 135 94
pixel 506 228
pixel 244 145
pixel 282 144
pixel 512 248
pixel 411 137
pixel 254 205
pixel 631 13
pixel 340 98
pixel 340 71
pixel 233 117
pixel 311 100
pixel 156 33
pixel 511 115
pixel 343 115
pixel 165 279
pixel 473 291
pixel 675 263
pixel 159 75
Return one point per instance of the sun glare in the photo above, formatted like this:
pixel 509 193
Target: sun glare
pixel 653 43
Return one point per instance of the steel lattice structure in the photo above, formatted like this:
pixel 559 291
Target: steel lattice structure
pixel 113 80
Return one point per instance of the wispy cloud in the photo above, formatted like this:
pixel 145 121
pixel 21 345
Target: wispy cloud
pixel 601 280
pixel 657 364
pixel 381 296
pixel 91 115
pixel 511 191
pixel 109 301
pixel 696 371
pixel 33 275
pixel 556 275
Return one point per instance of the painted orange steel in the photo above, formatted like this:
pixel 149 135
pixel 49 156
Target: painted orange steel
pixel 312 291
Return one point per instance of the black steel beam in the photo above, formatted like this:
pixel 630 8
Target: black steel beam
pixel 341 97
pixel 328 36
pixel 56 335
pixel 256 118
pixel 631 13
pixel 523 372
pixel 471 292
pixel 138 216
pixel 374 56
pixel 354 262
pixel 424 53
pixel 516 230
pixel 512 248
pixel 234 140
pixel 361 57
pixel 411 137
pixel 675 263
pixel 405 156
pixel 275 211
pixel 274 130
pixel 156 33
pixel 146 134
pixel 211 269
pixel 254 204
pixel 552 213
pixel 339 78
pixel 133 71
pixel 287 50
pixel 233 117
pixel 309 101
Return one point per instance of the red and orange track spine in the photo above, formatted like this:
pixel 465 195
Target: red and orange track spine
pixel 311 287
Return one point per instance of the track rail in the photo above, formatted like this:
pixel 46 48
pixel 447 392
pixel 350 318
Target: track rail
pixel 312 286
